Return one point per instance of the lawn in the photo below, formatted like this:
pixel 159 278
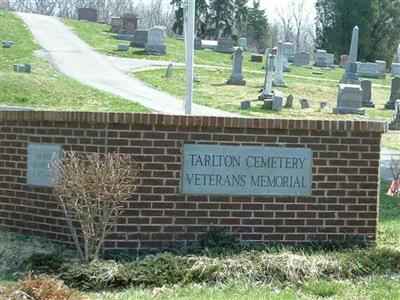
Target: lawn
pixel 45 88
pixel 99 37
pixel 371 273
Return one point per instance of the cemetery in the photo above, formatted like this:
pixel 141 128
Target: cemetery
pixel 238 172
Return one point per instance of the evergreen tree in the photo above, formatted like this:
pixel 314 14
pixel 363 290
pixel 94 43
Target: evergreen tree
pixel 221 18
pixel 200 17
pixel 378 20
pixel 257 26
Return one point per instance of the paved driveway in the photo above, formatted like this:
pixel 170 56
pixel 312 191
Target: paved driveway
pixel 76 59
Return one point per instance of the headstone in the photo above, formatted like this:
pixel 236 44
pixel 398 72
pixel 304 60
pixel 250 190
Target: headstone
pixel 169 71
pixel 369 70
pixel 330 60
pixel 209 45
pixel 7 44
pixel 394 93
pixel 87 13
pixel 140 38
pixel 289 101
pixel 395 124
pixel 129 23
pixel 39 164
pixel 116 24
pixel 366 94
pixel 304 104
pixel 301 59
pixel 279 67
pixel 125 37
pixel 225 45
pixel 164 28
pixel 243 43
pixel 288 50
pixel 324 105
pixel 246 104
pixel 256 58
pixel 317 73
pixel 267 90
pixel 395 69
pixel 320 59
pixel 267 104
pixel 22 68
pixel 349 100
pixel 350 76
pixel 343 60
pixel 381 67
pixel 286 66
pixel 277 102
pixel 123 47
pixel 197 44
pixel 155 43
pixel 237 74
pixel 354 45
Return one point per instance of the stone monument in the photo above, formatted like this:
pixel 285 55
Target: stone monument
pixel 369 70
pixel 225 45
pixel 267 90
pixel 289 101
pixel 140 38
pixel 395 69
pixel 366 94
pixel 304 104
pixel 122 47
pixel 344 58
pixel 330 60
pixel 350 76
pixel 279 67
pixel 169 71
pixel 88 14
pixel 381 67
pixel 155 42
pixel 394 93
pixel 395 124
pixel 301 59
pixel 116 24
pixel 237 74
pixel 197 44
pixel 129 23
pixel 288 50
pixel 256 58
pixel 320 59
pixel 242 42
pixel 349 100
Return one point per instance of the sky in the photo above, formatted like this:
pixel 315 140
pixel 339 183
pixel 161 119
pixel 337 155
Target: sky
pixel 272 6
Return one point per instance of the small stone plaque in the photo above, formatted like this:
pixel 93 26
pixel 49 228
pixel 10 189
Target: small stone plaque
pixel 39 171
pixel 246 170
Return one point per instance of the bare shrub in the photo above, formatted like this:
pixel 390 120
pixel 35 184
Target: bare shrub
pixel 394 189
pixel 39 288
pixel 91 191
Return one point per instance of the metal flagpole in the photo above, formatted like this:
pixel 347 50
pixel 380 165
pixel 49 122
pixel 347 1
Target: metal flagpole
pixel 189 43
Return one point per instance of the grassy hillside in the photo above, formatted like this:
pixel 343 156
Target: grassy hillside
pixel 45 88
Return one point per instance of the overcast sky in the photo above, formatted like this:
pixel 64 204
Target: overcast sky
pixel 271 6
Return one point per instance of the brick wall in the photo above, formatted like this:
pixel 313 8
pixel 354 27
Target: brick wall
pixel 345 185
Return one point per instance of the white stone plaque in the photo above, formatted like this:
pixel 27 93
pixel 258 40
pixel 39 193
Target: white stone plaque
pixel 39 170
pixel 246 170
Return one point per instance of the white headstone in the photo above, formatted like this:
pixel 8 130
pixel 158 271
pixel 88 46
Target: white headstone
pixel 279 67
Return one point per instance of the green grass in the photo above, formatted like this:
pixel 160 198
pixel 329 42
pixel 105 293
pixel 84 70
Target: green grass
pixel 45 88
pixel 99 37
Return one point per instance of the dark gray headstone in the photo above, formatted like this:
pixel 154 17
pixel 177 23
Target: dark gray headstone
pixel 301 59
pixel 394 93
pixel 395 124
pixel 169 71
pixel 366 93
pixel 289 101
pixel 140 39
pixel 304 104
pixel 268 104
pixel 256 58
pixel 245 104
pixel 125 37
pixel 123 47
pixel 225 45
pixel 88 14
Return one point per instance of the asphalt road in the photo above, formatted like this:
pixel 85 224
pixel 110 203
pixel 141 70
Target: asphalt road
pixel 76 59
